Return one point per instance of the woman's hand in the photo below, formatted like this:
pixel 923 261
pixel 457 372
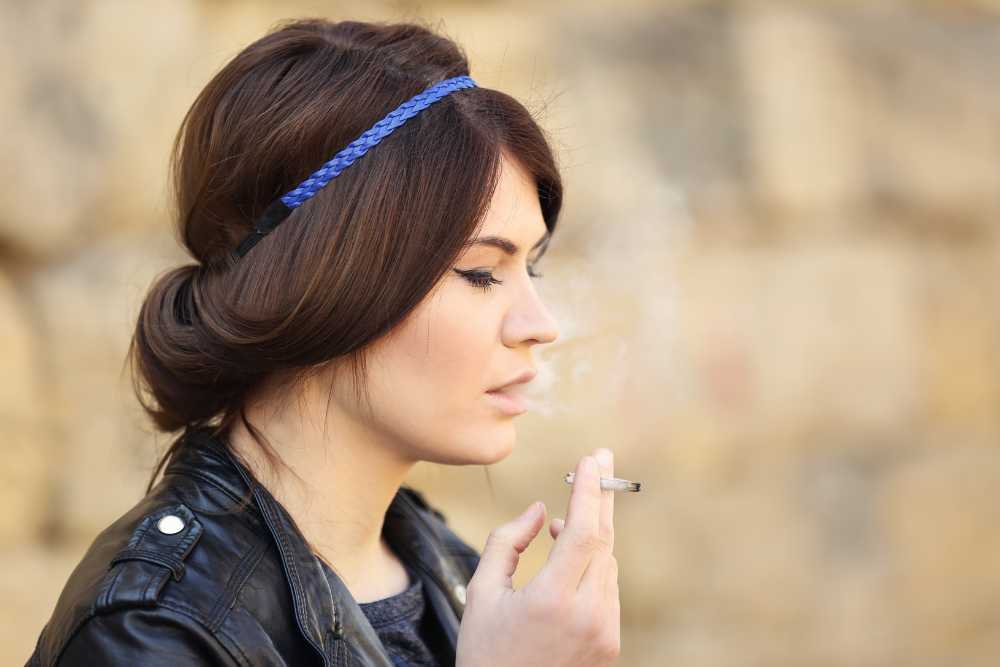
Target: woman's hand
pixel 569 614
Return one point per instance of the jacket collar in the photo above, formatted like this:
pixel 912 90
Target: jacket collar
pixel 325 616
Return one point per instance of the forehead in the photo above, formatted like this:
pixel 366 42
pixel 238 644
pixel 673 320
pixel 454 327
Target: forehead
pixel 514 210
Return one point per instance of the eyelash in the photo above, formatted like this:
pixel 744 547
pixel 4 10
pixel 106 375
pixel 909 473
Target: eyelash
pixel 485 281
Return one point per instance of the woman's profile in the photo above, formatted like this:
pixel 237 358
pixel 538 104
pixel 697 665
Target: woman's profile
pixel 365 222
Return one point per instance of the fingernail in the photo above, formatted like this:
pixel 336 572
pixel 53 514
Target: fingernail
pixel 604 455
pixel 589 464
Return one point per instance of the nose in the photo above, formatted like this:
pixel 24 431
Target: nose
pixel 529 321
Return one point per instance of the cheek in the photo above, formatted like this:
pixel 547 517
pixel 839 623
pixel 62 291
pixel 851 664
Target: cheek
pixel 446 346
pixel 431 376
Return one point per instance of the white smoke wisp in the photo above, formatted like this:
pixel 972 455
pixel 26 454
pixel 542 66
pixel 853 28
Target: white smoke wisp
pixel 542 393
pixel 617 307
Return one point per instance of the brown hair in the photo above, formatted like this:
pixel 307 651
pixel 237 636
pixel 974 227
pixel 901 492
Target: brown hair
pixel 353 261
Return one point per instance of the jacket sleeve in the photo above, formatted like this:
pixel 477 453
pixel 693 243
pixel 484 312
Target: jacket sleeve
pixel 152 637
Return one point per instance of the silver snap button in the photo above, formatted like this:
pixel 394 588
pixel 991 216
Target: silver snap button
pixel 460 593
pixel 170 524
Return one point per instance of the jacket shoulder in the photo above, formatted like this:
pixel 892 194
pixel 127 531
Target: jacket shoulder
pixel 146 588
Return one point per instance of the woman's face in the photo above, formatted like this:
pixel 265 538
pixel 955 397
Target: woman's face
pixel 428 380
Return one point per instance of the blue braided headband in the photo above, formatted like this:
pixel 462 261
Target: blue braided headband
pixel 281 208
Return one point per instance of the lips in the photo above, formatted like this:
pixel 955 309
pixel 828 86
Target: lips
pixel 507 401
pixel 524 376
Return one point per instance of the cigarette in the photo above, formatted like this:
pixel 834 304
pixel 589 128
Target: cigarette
pixel 609 483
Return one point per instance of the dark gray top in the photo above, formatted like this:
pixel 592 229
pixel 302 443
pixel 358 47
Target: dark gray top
pixel 408 629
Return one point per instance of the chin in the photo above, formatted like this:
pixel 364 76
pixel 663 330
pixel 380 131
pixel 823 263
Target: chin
pixel 501 448
pixel 497 456
pixel 482 451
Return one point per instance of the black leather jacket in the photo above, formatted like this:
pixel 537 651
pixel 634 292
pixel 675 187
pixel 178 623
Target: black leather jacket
pixel 209 569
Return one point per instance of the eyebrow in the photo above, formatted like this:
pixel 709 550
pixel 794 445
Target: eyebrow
pixel 508 246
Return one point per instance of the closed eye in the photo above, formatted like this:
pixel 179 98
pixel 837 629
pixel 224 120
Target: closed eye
pixel 485 280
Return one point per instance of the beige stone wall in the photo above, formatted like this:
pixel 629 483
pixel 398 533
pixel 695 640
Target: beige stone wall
pixel 776 277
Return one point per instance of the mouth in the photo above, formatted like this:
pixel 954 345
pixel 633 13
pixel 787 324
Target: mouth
pixel 507 402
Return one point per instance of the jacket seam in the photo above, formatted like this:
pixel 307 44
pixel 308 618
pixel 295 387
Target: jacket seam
pixel 185 609
pixel 208 480
pixel 244 659
pixel 196 616
pixel 293 573
pixel 154 583
pixel 235 584
pixel 106 595
pixel 189 613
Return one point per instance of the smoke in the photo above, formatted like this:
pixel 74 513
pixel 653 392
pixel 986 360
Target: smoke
pixel 617 304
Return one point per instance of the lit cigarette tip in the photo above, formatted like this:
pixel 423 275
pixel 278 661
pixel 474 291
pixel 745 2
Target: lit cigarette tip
pixel 610 483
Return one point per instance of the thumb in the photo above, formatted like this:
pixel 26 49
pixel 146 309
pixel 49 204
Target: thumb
pixel 505 544
pixel 556 527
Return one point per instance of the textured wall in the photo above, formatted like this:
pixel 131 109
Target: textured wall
pixel 776 278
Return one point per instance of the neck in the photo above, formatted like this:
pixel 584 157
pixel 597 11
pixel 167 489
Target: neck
pixel 337 486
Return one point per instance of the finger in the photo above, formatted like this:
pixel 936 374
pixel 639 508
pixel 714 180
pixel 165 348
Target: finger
pixel 593 584
pixel 612 602
pixel 611 586
pixel 579 538
pixel 606 459
pixel 499 558
pixel 583 509
pixel 555 527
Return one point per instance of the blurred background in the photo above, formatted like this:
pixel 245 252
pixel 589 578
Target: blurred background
pixel 776 277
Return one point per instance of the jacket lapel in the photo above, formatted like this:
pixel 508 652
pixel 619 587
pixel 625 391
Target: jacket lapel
pixel 317 619
pixel 418 540
pixel 325 611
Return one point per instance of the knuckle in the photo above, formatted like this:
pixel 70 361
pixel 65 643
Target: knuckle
pixel 498 535
pixel 587 625
pixel 611 648
pixel 591 542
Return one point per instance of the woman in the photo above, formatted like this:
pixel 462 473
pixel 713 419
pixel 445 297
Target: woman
pixel 336 329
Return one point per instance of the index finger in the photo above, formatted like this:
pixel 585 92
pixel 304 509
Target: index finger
pixel 606 459
pixel 573 548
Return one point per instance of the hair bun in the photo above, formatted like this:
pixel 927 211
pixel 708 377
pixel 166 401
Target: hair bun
pixel 184 308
